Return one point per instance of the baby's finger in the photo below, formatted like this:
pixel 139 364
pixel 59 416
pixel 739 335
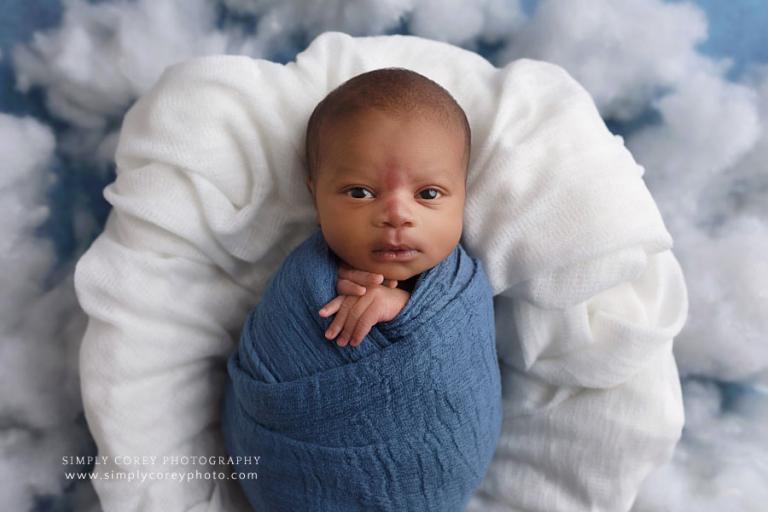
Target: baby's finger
pixel 364 325
pixel 347 287
pixel 360 277
pixel 332 307
pixel 350 323
pixel 390 283
pixel 340 318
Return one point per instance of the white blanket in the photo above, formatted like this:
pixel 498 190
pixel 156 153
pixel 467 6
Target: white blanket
pixel 210 197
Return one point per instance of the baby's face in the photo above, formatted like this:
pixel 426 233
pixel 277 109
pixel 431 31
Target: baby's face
pixel 388 179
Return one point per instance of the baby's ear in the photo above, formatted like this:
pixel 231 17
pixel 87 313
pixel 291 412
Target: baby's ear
pixel 311 189
pixel 310 186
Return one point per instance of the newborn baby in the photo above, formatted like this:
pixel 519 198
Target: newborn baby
pixel 387 155
pixel 409 419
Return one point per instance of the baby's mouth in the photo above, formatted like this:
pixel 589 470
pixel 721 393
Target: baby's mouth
pixel 388 247
pixel 394 252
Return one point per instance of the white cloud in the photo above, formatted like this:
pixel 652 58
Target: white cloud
pixel 40 330
pixel 454 21
pixel 622 52
pixel 104 55
pixel 460 22
pixel 707 126
pixel 282 17
pixel 720 464
pixel 27 148
pixel 727 277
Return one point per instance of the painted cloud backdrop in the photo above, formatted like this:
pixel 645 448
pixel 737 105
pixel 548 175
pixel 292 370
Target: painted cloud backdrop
pixel 686 84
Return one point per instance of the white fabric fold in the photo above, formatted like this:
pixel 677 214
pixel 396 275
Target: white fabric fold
pixel 210 197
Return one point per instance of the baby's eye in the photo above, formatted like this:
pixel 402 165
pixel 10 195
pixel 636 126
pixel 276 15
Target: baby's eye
pixel 358 188
pixel 431 192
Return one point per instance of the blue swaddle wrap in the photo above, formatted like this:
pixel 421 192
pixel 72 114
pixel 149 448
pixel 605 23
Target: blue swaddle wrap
pixel 408 420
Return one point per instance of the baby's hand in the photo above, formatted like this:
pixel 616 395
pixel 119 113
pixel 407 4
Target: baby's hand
pixel 355 315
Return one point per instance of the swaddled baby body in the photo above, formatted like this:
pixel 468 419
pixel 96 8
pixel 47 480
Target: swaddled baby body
pixel 403 412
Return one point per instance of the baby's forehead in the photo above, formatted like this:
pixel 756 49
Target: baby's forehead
pixel 365 117
pixel 430 128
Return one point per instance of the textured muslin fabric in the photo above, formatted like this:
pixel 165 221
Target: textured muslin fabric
pixel 408 420
pixel 209 199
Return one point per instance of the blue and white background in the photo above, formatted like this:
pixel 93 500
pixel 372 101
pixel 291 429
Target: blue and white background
pixel 685 82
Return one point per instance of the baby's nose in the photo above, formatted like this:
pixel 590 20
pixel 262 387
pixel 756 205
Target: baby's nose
pixel 396 212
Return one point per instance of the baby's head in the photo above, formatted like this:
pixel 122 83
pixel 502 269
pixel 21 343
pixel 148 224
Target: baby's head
pixel 387 156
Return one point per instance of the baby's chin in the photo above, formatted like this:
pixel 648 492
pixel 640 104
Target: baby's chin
pixel 398 272
pixel 401 272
